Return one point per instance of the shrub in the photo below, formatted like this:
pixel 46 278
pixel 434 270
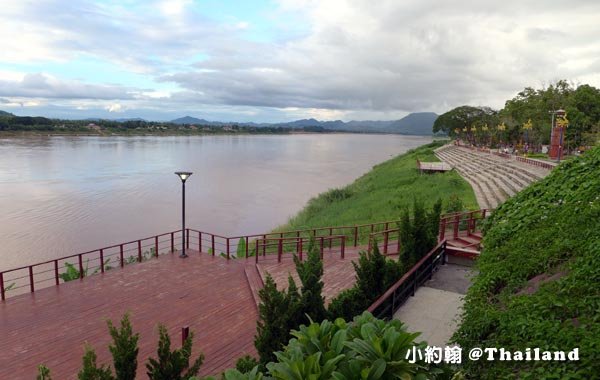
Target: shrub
pixel 173 365
pixel 241 248
pixel 43 373
pixel 90 370
pixel 374 275
pixel 246 364
pixel 310 272
pixel 124 349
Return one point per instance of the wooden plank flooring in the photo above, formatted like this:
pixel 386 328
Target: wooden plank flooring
pixel 212 295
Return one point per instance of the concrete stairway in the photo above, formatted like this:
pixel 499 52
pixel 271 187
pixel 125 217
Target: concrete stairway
pixel 493 178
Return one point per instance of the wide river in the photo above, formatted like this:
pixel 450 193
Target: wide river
pixel 64 195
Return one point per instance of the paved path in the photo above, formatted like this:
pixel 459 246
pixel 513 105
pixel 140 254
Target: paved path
pixel 493 178
pixel 436 306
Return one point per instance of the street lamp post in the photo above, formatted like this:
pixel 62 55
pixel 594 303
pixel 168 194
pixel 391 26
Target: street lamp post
pixel 183 176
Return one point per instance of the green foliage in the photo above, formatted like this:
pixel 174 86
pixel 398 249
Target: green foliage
pixel 434 218
pixel 90 370
pixel 454 204
pixel 73 273
pixel 275 314
pixel 374 275
pixel 464 116
pixel 246 364
pixel 538 277
pixel 241 248
pixel 368 348
pixel 383 193
pixel 124 349
pixel 43 373
pixel 173 365
pixel 310 272
pixel 235 374
pixel 419 235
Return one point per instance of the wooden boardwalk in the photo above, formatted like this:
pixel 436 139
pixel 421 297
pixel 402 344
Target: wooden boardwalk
pixel 215 297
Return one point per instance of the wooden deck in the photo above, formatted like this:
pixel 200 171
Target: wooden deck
pixel 215 297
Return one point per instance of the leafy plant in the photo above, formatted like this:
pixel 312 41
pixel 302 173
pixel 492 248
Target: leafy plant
pixel 173 365
pixel 124 349
pixel 246 364
pixel 43 373
pixel 241 248
pixel 90 370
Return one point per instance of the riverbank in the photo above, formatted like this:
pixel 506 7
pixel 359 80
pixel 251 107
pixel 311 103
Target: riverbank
pixel 382 193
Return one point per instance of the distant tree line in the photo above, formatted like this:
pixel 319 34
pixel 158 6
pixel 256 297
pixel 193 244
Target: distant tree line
pixel 527 118
pixel 10 122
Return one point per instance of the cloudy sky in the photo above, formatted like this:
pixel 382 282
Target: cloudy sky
pixel 261 60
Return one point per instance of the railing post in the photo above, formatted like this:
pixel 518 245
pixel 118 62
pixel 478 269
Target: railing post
pixel 279 250
pixel 442 229
pixel 139 251
pixel 172 242
pixel 300 249
pixel 101 260
pixel 56 276
pixel 2 295
pixel 256 251
pixel 156 246
pixel 212 244
pixel 121 258
pixel 483 213
pixel 343 246
pixel 330 239
pixel 370 245
pixel 199 241
pixel 185 333
pixel 31 286
pixel 456 225
pixel 264 245
pixel 247 246
pixel 187 238
pixel 297 242
pixel 322 247
pixel 227 246
pixel 355 236
pixel 81 274
pixel 385 242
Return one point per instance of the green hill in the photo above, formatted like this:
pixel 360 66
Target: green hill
pixel 539 277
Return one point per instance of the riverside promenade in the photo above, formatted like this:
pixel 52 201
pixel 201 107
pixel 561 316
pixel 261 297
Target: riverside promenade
pixel 215 297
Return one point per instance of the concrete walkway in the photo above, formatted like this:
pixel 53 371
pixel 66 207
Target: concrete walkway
pixel 436 306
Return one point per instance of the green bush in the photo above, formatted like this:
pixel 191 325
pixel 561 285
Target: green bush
pixel 374 275
pixel 173 365
pixel 310 272
pixel 90 370
pixel 367 348
pixel 246 364
pixel 124 349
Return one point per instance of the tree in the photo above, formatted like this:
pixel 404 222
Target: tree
pixel 241 248
pixel 90 370
pixel 407 240
pixel 124 349
pixel 173 365
pixel 464 116
pixel 272 331
pixel 310 272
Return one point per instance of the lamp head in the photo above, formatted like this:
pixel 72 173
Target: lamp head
pixel 183 175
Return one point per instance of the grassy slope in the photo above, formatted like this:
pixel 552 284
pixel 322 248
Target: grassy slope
pixel 551 228
pixel 383 192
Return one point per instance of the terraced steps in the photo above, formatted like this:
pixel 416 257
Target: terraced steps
pixel 493 178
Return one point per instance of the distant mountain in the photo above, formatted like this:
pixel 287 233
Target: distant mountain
pixel 4 113
pixel 420 123
pixel 192 120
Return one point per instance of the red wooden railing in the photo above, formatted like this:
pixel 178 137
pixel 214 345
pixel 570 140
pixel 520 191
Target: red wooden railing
pixel 383 239
pixel 298 244
pixel 51 272
pixel 83 264
pixel 458 222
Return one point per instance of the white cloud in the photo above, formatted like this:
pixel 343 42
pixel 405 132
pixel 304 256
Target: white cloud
pixel 115 107
pixel 355 59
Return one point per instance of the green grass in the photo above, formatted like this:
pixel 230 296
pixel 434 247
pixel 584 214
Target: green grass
pixel 539 276
pixel 382 193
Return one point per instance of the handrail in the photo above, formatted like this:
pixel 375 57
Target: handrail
pixel 386 240
pixel 415 277
pixel 299 245
pixel 460 220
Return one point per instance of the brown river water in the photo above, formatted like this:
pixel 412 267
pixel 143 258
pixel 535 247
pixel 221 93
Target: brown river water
pixel 64 195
